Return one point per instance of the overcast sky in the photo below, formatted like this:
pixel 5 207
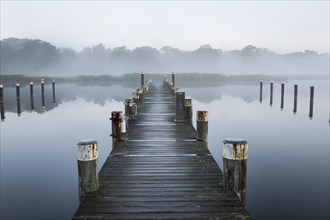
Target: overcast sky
pixel 278 25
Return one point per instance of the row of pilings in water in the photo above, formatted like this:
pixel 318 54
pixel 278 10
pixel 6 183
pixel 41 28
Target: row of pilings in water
pixel 295 97
pixel 32 97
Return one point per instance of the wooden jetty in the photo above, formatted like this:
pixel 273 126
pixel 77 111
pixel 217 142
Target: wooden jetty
pixel 160 172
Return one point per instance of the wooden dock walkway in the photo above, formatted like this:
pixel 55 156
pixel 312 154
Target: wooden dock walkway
pixel 160 172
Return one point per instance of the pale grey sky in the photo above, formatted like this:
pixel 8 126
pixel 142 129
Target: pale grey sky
pixel 282 26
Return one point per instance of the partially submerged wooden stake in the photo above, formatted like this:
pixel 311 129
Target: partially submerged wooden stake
pixel 235 153
pixel 31 96
pixel 282 95
pixel 271 93
pixel 2 103
pixel 202 125
pixel 295 98
pixel 188 110
pixel 180 107
pixel 18 99
pixel 311 102
pixel 118 126
pixel 87 166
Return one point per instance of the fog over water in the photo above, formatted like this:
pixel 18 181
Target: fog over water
pixel 38 57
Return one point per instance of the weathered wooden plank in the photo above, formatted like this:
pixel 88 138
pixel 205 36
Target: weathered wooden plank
pixel 160 172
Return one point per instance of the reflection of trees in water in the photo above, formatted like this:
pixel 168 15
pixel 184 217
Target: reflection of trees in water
pixel 100 95
pixel 248 93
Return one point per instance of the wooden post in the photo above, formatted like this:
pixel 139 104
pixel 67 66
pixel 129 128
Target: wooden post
pixel 43 93
pixel 295 98
pixel 31 96
pixel 145 89
pixel 260 95
pixel 130 108
pixel 136 97
pixel 118 126
pixel 271 93
pixel 87 166
pixel 140 92
pixel 311 102
pixel 202 125
pixel 2 103
pixel 142 79
pixel 282 95
pixel 180 107
pixel 235 153
pixel 18 99
pixel 53 89
pixel 173 80
pixel 188 110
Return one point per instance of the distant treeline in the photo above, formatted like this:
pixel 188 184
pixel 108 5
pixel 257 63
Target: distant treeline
pixel 133 79
pixel 37 57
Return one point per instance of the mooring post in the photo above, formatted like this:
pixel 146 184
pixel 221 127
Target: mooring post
pixel 31 96
pixel 295 98
pixel 43 93
pixel 173 80
pixel 130 108
pixel 18 99
pixel 311 102
pixel 282 95
pixel 145 89
pixel 260 95
pixel 180 107
pixel 202 125
pixel 87 166
pixel 2 103
pixel 136 97
pixel 142 79
pixel 118 126
pixel 53 89
pixel 188 110
pixel 235 154
pixel 271 93
pixel 140 92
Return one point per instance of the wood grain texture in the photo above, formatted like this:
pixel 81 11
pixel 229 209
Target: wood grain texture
pixel 160 172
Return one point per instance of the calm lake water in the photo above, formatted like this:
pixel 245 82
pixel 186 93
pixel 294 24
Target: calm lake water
pixel 288 159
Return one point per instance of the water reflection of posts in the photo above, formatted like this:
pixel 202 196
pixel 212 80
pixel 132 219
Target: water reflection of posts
pixel 202 125
pixel 2 104
pixel 43 93
pixel 18 99
pixel 188 110
pixel 53 89
pixel 235 152
pixel 271 93
pixel 282 95
pixel 295 93
pixel 118 126
pixel 311 102
pixel 31 96
pixel 180 107
pixel 260 95
pixel 87 166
